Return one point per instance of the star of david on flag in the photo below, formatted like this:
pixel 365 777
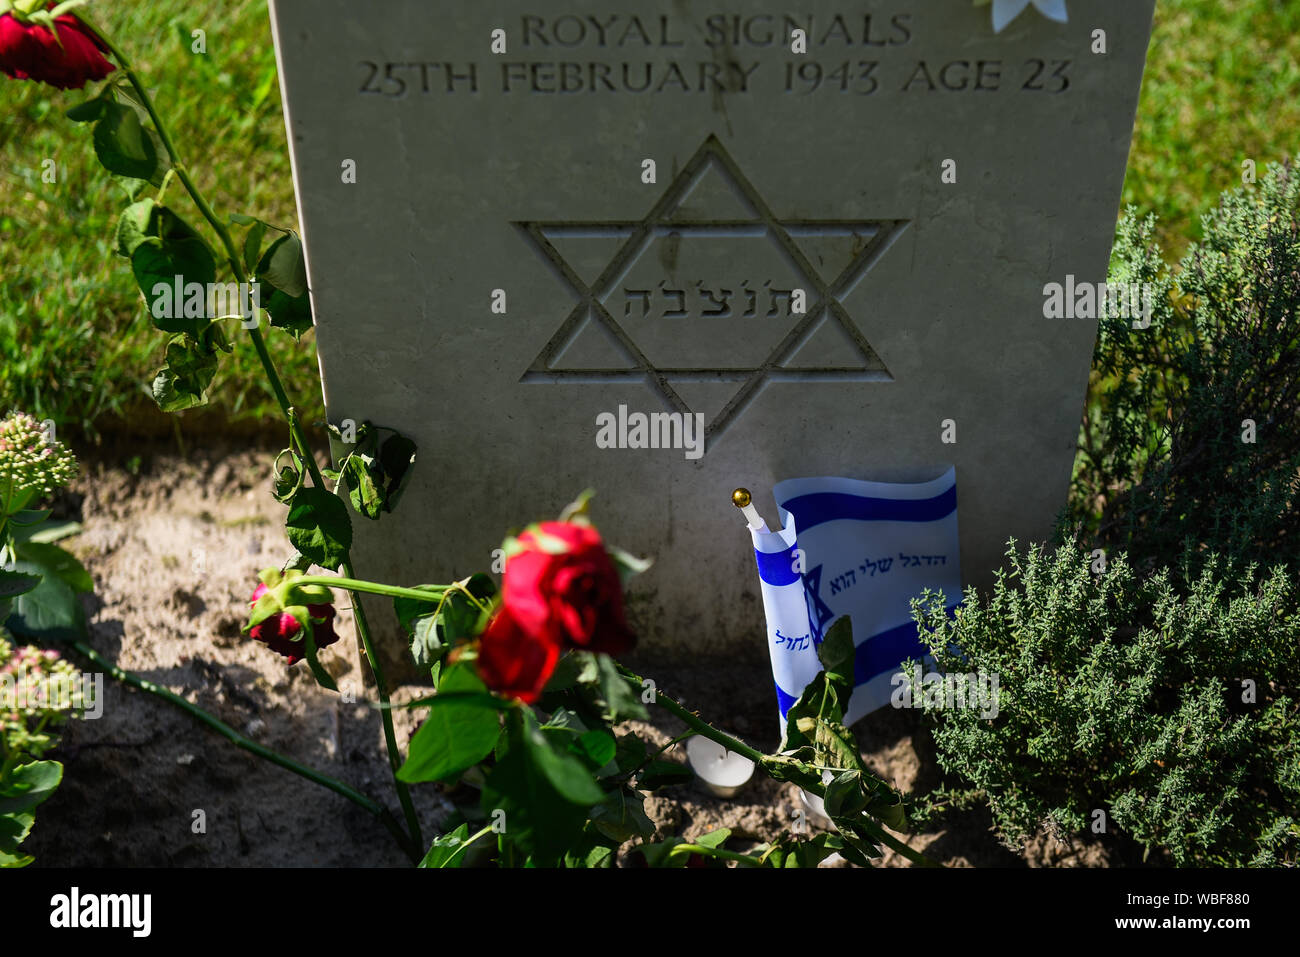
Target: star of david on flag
pixel 863 549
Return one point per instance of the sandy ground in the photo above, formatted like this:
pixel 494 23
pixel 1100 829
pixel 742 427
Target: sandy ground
pixel 175 546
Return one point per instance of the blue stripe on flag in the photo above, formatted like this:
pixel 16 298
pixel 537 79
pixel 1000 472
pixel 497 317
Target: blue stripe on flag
pixel 887 650
pixel 783 700
pixel 777 568
pixel 817 508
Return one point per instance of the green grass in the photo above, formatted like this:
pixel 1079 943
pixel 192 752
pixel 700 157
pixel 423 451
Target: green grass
pixel 1222 86
pixel 76 342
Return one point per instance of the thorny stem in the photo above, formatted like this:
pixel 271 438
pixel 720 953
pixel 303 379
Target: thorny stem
pixel 386 713
pixel 277 389
pixel 373 588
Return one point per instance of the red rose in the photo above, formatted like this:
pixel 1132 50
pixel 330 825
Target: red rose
pixel 561 590
pixel 29 51
pixel 562 578
pixel 515 663
pixel 280 631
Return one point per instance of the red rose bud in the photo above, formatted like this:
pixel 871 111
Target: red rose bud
pixel 561 578
pixel 514 662
pixel 280 632
pixel 29 51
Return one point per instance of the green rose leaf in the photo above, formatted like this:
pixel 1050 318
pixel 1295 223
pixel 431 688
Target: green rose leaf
pixel 396 458
pixel 799 735
pixel 124 146
pixel 888 808
pixel 621 700
pixel 662 774
pixel 292 314
pixel 253 244
pixel 629 754
pixel 627 564
pixel 662 854
pixel 460 731
pixel 621 817
pixel 183 383
pixel 816 719
pixel 131 187
pixel 596 747
pixel 283 266
pixel 714 839
pixel 544 794
pixel 86 112
pixel 592 850
pixel 287 481
pixel 410 610
pixel 173 250
pixel 837 652
pixel 565 773
pixel 323 677
pixel 568 669
pixel 844 795
pixel 133 226
pixel 375 479
pixel 366 495
pixel 433 631
pixel 319 527
pixel 812 852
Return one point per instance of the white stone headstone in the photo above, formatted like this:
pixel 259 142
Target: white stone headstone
pixel 835 259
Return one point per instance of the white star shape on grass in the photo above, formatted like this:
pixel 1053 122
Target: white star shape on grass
pixel 1004 11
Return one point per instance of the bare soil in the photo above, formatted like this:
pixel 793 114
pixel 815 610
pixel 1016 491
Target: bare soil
pixel 175 543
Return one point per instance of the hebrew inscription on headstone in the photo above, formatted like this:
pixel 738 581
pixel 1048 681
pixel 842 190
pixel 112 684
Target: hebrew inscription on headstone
pixel 664 249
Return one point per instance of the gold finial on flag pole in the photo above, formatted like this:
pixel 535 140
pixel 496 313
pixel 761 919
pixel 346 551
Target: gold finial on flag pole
pixel 745 502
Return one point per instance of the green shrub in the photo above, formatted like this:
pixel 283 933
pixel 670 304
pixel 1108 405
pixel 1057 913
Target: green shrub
pixel 1124 693
pixel 1166 460
pixel 1156 680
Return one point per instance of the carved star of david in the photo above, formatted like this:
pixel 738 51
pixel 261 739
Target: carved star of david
pixel 824 294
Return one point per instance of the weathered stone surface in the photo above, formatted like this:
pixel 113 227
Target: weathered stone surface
pixel 822 172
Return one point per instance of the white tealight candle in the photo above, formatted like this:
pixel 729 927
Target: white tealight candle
pixel 723 772
pixel 815 808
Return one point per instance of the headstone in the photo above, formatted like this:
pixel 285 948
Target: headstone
pixel 549 241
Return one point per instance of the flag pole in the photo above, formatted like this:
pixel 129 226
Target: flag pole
pixel 745 502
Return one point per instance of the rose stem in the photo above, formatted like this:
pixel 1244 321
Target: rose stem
pixel 277 389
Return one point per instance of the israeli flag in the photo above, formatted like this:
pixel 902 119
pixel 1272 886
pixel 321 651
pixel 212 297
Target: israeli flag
pixel 863 549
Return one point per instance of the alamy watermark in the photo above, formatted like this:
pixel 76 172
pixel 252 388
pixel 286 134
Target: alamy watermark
pixel 975 691
pixel 179 299
pixel 1105 300
pixel 133 912
pixel 56 691
pixel 651 430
